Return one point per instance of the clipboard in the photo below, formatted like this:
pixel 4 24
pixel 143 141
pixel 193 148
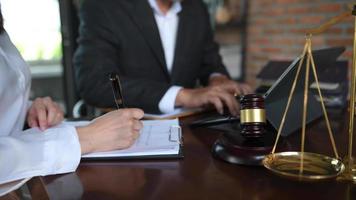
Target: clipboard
pixel 179 113
pixel 160 139
pixel 180 155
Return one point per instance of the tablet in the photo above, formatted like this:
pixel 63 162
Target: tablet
pixel 277 96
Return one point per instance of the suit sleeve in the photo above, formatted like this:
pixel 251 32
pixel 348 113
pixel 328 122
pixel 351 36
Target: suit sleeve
pixel 211 61
pixel 97 56
pixel 35 153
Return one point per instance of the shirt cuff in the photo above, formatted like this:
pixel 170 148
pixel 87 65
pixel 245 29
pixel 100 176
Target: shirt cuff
pixel 39 153
pixel 63 160
pixel 216 74
pixel 167 103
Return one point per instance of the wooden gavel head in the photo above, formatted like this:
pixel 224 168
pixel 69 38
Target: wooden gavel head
pixel 252 116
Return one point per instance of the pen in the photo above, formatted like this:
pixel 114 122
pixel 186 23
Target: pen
pixel 116 89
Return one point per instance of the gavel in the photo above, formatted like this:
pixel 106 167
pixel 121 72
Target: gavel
pixel 252 116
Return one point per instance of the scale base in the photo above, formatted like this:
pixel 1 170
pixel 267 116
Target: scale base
pixel 315 167
pixel 350 170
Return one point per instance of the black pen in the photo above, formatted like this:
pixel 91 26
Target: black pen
pixel 116 89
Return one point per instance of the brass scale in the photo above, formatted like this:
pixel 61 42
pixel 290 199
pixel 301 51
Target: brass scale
pixel 312 166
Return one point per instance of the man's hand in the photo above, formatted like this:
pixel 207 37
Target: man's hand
pixel 44 113
pixel 115 130
pixel 221 91
pixel 229 85
pixel 213 95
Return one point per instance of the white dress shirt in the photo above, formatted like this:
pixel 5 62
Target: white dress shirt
pixel 29 153
pixel 167 26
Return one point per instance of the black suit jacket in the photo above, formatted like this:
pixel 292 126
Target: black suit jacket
pixel 122 36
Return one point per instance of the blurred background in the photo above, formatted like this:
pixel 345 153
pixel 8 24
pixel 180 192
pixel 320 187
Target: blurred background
pixel 251 33
pixel 34 27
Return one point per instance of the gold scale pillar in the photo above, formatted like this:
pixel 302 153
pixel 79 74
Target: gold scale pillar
pixel 349 161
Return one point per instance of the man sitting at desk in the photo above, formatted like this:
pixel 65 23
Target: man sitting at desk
pixel 160 49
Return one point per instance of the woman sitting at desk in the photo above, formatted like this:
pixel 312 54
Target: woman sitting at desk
pixel 49 147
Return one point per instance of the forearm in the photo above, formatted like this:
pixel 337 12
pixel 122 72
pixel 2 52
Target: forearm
pixel 190 98
pixel 85 139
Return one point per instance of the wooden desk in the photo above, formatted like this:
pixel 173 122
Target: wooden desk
pixel 199 175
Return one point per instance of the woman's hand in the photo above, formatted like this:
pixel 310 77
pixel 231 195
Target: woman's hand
pixel 44 113
pixel 115 130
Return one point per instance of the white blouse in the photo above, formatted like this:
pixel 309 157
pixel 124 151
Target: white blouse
pixel 29 153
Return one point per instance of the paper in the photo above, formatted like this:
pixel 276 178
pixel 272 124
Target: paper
pixel 325 86
pixel 160 137
pixel 179 112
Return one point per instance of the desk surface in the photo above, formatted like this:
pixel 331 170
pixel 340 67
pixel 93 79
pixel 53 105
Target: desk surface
pixel 199 175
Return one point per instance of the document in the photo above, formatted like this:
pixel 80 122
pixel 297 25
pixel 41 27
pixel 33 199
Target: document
pixel 179 112
pixel 157 138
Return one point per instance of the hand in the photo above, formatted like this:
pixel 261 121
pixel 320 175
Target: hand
pixel 229 85
pixel 44 113
pixel 213 95
pixel 115 130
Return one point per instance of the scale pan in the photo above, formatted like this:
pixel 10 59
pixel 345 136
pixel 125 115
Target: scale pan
pixel 316 166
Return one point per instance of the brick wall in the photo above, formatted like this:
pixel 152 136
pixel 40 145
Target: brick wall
pixel 276 30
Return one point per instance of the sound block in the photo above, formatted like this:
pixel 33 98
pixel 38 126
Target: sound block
pixel 233 148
